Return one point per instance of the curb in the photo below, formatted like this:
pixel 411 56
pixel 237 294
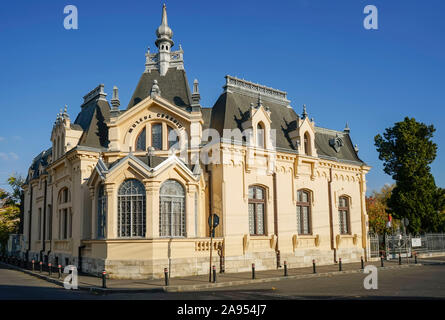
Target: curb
pixel 197 287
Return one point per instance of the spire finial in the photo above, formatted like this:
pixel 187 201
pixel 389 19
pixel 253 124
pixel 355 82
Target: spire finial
pixel 164 33
pixel 347 129
pixel 304 111
pixel 259 101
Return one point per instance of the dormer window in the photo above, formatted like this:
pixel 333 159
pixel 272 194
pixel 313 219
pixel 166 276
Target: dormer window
pixel 307 144
pixel 260 134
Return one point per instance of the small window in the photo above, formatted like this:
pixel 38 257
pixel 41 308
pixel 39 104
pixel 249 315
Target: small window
pixel 343 212
pixel 257 205
pixel 140 141
pixel 172 137
pixel 156 136
pixel 304 212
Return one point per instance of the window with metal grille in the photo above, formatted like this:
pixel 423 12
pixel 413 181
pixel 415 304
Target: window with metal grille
pixel 343 212
pixel 156 136
pixel 101 212
pixel 172 210
pixel 304 221
pixel 131 209
pixel 141 141
pixel 257 207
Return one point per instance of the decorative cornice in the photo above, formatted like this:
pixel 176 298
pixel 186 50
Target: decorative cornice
pixel 253 89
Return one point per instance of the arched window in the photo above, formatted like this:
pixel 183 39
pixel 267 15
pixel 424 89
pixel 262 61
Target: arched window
pixel 156 136
pixel 257 205
pixel 131 209
pixel 172 209
pixel 65 214
pixel 304 223
pixel 307 144
pixel 172 137
pixel 101 212
pixel 260 135
pixel 343 212
pixel 140 141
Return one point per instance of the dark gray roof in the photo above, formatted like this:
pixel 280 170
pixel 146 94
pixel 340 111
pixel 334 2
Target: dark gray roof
pixel 40 159
pixel 206 116
pixel 174 87
pixel 345 152
pixel 232 109
pixel 92 120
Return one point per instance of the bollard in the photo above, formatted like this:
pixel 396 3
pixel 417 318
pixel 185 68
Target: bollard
pixel 166 276
pixel 214 274
pixel 221 265
pixel 381 261
pixel 60 271
pixel 41 266
pixel 313 266
pixel 49 269
pixel 33 268
pixel 363 263
pixel 253 270
pixel 339 264
pixel 285 268
pixel 415 258
pixel 400 259
pixel 104 279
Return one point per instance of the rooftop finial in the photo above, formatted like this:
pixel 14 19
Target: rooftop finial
pixel 196 97
pixel 347 129
pixel 195 86
pixel 304 111
pixel 115 102
pixel 259 101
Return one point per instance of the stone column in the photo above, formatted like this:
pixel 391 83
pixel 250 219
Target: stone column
pixel 152 205
pixel 190 210
pixel 111 219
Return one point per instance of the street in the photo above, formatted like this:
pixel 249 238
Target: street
pixel 425 282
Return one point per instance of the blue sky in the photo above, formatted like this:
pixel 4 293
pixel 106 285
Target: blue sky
pixel 318 51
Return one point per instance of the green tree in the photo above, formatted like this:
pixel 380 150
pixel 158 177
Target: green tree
pixel 377 209
pixel 407 151
pixel 10 208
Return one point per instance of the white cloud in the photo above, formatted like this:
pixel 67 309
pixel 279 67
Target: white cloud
pixel 8 156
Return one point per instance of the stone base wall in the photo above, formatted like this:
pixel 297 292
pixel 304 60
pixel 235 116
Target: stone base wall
pixel 179 267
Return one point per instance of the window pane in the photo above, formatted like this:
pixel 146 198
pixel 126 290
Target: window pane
pixel 252 218
pixel 305 220
pixel 259 194
pixel 172 137
pixel 156 136
pixel 140 143
pixel 260 218
pixel 172 216
pixel 304 197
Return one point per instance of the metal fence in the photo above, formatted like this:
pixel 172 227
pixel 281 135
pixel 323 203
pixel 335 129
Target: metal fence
pixel 429 243
pixel 405 245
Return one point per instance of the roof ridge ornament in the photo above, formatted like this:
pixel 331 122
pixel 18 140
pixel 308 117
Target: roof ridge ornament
pixel 115 102
pixel 347 129
pixel 155 90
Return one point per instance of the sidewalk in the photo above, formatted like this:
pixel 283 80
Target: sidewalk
pixel 195 283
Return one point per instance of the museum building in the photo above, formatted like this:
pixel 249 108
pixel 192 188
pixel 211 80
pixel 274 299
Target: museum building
pixel 129 190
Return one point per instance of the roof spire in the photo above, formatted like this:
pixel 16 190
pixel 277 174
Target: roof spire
pixel 304 111
pixel 259 101
pixel 347 129
pixel 164 33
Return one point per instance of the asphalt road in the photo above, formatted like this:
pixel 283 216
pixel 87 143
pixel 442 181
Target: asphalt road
pixel 425 282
